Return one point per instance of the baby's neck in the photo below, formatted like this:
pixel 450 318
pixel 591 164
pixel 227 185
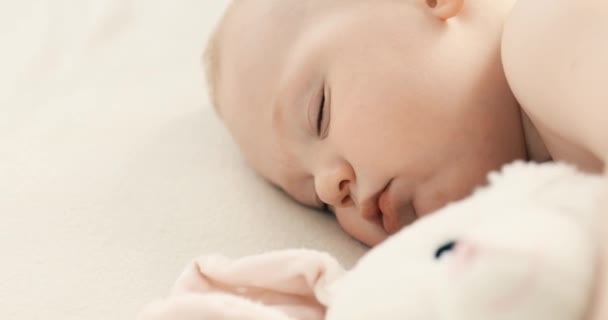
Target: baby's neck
pixel 535 147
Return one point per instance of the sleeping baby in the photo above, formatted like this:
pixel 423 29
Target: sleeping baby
pixel 384 111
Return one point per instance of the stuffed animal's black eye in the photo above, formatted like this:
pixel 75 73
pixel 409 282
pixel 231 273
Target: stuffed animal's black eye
pixel 447 247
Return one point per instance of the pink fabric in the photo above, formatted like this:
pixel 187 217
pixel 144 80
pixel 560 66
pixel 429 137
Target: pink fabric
pixel 282 285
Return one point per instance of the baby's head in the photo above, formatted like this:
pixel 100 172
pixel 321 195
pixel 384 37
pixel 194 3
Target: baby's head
pixel 385 110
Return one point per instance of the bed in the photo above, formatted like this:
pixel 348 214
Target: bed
pixel 114 170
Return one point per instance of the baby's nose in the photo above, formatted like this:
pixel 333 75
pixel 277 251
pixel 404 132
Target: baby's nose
pixel 334 185
pixel 341 196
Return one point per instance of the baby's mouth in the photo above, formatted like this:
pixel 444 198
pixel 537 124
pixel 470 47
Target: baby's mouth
pixel 395 214
pixel 389 209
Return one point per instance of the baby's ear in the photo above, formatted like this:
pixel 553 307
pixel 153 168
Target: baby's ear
pixel 444 9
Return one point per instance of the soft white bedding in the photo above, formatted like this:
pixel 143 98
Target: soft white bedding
pixel 114 171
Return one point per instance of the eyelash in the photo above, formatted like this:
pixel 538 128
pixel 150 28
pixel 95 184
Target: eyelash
pixel 320 115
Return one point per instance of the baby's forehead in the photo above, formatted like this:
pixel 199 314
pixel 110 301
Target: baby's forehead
pixel 250 15
pixel 276 18
pixel 253 41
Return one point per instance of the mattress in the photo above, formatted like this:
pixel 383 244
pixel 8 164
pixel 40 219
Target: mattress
pixel 114 170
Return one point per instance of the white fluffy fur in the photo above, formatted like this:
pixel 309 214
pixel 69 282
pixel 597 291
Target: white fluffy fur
pixel 526 250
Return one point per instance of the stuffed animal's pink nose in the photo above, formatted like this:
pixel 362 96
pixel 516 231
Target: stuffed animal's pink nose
pixel 476 265
pixel 464 254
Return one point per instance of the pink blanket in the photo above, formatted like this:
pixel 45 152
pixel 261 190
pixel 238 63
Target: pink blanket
pixel 282 285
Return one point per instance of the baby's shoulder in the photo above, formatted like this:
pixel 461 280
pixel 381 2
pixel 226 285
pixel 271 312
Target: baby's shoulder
pixel 554 55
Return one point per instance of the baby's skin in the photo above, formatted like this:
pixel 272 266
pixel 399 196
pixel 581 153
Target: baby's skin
pixel 384 111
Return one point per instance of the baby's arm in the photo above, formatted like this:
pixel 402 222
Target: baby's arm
pixel 555 54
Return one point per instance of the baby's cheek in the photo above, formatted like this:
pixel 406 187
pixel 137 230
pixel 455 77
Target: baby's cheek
pixel 358 227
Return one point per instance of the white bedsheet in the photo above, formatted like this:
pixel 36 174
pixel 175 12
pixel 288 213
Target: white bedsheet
pixel 114 171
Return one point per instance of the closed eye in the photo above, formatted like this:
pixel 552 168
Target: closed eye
pixel 320 115
pixel 323 118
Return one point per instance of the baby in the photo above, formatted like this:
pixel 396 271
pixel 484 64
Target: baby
pixel 385 110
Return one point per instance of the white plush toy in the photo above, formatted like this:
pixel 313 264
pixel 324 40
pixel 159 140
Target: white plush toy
pixel 524 248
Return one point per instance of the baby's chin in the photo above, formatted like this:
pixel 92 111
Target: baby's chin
pixel 373 239
pixel 360 229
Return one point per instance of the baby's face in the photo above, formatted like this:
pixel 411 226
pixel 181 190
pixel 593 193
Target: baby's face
pixel 375 108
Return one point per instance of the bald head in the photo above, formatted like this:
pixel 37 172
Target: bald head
pixel 270 19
